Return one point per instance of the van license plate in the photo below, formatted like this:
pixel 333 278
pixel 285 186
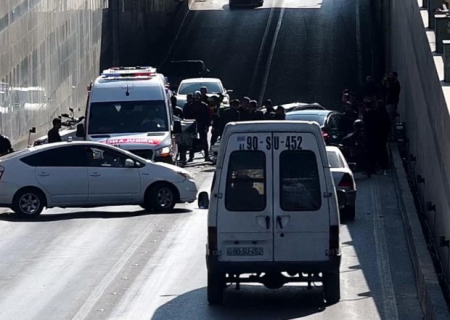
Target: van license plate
pixel 245 251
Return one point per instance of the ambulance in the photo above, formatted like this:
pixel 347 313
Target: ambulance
pixel 129 107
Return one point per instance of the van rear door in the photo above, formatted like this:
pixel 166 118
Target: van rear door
pixel 300 206
pixel 245 218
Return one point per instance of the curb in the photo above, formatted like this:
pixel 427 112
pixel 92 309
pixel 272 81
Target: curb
pixel 431 298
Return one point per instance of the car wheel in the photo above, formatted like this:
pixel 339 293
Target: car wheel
pixel 28 203
pixel 161 197
pixel 349 213
pixel 216 286
pixel 331 287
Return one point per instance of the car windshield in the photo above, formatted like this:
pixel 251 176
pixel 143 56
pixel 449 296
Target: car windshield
pixel 334 160
pixel 212 87
pixel 320 119
pixel 127 117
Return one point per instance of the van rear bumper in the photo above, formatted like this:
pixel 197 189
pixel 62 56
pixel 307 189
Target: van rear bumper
pixel 331 265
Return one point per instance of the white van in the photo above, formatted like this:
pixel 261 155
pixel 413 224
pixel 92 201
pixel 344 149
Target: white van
pixel 130 108
pixel 273 213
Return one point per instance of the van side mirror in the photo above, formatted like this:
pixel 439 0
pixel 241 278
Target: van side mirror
pixel 80 130
pixel 352 166
pixel 203 200
pixel 177 127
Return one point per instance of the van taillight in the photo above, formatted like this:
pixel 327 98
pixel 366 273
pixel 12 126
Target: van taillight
pixel 212 239
pixel 334 238
pixel 346 182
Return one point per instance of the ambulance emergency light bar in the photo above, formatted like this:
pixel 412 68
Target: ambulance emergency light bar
pixel 127 72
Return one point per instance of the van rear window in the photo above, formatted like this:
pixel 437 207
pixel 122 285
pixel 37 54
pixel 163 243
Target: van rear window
pixel 246 181
pixel 299 181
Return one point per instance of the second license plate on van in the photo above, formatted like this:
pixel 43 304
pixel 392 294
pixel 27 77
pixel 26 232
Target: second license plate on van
pixel 240 251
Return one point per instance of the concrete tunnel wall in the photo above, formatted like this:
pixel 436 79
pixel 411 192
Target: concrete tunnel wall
pixel 423 108
pixel 60 46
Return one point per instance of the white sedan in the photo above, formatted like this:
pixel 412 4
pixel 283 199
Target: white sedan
pixel 89 174
pixel 213 85
pixel 344 182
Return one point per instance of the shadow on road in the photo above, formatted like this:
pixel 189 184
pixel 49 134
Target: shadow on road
pixel 46 217
pixel 251 302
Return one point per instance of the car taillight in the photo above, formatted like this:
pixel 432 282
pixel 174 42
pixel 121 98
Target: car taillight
pixel 212 240
pixel 324 135
pixel 334 238
pixel 346 182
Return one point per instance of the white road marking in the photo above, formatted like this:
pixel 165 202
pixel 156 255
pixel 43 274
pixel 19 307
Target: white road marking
pixel 260 52
pixel 269 60
pixel 390 311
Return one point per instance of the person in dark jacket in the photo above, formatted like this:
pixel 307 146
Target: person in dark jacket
pixel 203 120
pixel 243 109
pixel 177 111
pixel 5 145
pixel 348 118
pixel 270 111
pixel 253 113
pixel 371 89
pixel 372 120
pixel 280 113
pixel 53 133
pixel 230 115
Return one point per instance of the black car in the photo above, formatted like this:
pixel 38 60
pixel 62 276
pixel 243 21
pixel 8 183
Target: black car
pixel 254 3
pixel 177 71
pixel 328 120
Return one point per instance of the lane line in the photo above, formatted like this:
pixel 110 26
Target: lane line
pixel 269 60
pixel 96 294
pixel 358 42
pixel 261 47
pixel 382 255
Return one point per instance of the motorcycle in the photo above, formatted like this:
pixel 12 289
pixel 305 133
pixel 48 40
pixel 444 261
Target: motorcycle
pixel 68 129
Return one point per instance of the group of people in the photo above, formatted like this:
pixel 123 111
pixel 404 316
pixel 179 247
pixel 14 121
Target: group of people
pixel 207 112
pixel 371 116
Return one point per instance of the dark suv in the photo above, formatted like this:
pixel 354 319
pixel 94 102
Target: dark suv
pixel 177 71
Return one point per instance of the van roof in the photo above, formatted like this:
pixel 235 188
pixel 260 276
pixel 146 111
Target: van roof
pixel 275 126
pixel 114 89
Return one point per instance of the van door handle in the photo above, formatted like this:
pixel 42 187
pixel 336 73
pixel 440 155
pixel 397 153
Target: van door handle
pixel 280 223
pixel 267 222
pixel 95 174
pixel 43 174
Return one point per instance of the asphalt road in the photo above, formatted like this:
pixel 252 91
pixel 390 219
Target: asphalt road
pixel 122 263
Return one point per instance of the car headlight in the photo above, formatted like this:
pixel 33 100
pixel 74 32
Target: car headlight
pixel 166 151
pixel 186 175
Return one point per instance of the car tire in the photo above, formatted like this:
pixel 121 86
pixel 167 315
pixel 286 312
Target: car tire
pixel 216 287
pixel 349 213
pixel 332 287
pixel 161 197
pixel 28 203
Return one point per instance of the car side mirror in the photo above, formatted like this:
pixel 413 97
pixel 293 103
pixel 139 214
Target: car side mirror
pixel 129 163
pixel 203 200
pixel 177 127
pixel 80 130
pixel 352 166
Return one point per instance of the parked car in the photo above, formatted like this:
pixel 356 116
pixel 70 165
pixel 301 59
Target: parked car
pixel 213 85
pixel 89 174
pixel 176 71
pixel 328 120
pixel 344 182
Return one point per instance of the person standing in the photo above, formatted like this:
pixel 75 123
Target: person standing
pixel 384 131
pixel 280 113
pixel 253 113
pixel 177 111
pixel 270 111
pixel 203 119
pixel 243 109
pixel 5 145
pixel 53 133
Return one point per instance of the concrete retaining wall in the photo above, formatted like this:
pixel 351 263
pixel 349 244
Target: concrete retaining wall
pixel 50 51
pixel 424 109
